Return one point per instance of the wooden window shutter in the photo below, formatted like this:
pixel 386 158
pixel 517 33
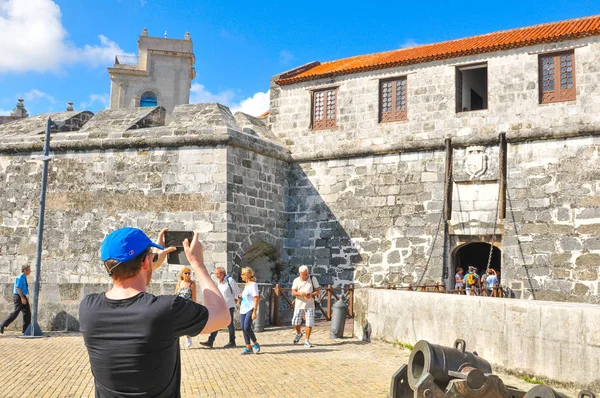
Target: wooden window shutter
pixel 459 84
pixel 557 77
pixel 324 109
pixel 392 100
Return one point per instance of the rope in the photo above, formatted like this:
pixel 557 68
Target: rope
pixel 494 231
pixel 442 216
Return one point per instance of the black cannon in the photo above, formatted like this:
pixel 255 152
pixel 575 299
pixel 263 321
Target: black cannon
pixel 547 392
pixel 436 371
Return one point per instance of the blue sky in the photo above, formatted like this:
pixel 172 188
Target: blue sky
pixel 55 51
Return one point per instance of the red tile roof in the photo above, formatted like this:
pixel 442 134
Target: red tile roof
pixel 503 40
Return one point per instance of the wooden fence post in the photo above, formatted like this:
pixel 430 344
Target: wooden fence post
pixel 329 301
pixel 275 307
pixel 351 302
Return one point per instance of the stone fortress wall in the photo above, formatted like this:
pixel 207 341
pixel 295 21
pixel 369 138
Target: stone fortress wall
pixel 360 204
pixel 367 197
pixel 125 167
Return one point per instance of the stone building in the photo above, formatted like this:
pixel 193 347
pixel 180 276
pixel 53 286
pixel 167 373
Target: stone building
pixel 161 74
pixel 385 168
pixel 409 163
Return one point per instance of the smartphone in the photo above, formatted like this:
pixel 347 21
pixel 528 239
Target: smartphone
pixel 176 238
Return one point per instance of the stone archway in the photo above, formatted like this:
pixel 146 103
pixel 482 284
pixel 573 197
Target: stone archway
pixel 262 252
pixel 477 255
pixel 264 259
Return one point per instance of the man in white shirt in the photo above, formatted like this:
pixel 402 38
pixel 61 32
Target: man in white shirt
pixel 230 291
pixel 305 288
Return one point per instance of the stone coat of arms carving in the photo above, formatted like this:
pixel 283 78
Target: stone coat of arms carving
pixel 476 162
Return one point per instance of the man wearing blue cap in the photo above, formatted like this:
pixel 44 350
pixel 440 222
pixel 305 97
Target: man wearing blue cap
pixel 132 337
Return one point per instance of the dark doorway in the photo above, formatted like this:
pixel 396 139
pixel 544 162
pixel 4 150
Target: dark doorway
pixel 264 261
pixel 477 254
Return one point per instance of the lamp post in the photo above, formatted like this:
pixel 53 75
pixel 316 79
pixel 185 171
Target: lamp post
pixel 34 329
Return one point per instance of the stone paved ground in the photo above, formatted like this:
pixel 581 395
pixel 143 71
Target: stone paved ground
pixel 58 367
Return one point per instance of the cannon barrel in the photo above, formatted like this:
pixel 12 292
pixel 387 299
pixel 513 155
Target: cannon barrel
pixel 439 361
pixel 543 392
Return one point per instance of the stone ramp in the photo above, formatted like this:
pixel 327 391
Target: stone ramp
pixel 36 125
pixel 204 117
pixel 119 120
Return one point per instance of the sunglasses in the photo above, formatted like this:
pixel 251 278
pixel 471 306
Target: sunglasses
pixel 186 273
pixel 153 257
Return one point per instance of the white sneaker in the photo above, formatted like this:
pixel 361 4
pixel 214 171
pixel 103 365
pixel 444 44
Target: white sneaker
pixel 308 344
pixel 188 342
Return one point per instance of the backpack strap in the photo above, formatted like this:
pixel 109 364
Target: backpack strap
pixel 229 283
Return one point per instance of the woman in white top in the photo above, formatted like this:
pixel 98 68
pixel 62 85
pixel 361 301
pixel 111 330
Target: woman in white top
pixel 248 308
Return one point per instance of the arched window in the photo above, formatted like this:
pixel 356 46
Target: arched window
pixel 148 99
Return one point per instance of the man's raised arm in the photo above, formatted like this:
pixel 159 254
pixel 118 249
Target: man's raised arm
pixel 218 313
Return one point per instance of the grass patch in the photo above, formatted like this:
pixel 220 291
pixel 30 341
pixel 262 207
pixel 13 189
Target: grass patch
pixel 404 346
pixel 531 380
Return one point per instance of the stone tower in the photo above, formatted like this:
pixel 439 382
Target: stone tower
pixel 161 74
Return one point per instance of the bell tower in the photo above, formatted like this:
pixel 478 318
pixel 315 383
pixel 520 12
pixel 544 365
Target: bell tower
pixel 161 74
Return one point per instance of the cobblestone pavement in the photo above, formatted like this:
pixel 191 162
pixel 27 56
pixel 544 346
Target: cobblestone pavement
pixel 58 367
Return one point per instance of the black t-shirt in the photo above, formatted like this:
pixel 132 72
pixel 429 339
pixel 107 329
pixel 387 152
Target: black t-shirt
pixel 133 344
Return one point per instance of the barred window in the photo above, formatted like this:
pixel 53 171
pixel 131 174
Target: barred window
pixel 324 109
pixel 392 100
pixel 557 77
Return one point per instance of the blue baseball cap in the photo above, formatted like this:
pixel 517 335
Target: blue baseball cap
pixel 124 244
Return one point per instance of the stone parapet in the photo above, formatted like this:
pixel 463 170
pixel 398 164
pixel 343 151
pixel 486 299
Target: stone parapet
pixel 558 341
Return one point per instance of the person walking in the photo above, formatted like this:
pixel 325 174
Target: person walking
pixel 304 288
pixel 20 301
pixel 248 308
pixel 186 288
pixel 230 290
pixel 132 337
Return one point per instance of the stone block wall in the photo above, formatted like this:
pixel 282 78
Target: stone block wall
pixel 513 104
pixel 90 194
pixel 551 245
pixel 369 220
pixel 256 192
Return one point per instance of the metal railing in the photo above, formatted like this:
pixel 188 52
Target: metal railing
pixel 496 291
pixel 126 60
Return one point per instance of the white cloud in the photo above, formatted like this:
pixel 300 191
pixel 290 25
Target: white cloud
pixel 285 57
pixel 37 95
pixel 199 94
pixel 101 55
pixel 5 112
pixel 33 38
pixel 408 43
pixel 254 106
pixel 102 99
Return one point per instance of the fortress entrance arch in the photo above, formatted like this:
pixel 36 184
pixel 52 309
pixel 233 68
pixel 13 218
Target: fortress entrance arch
pixel 477 255
pixel 264 259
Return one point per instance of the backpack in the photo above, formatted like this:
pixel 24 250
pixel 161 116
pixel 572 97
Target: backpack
pixel 316 298
pixel 471 279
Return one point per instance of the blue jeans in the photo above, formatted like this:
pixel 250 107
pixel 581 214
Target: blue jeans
pixel 213 335
pixel 246 320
